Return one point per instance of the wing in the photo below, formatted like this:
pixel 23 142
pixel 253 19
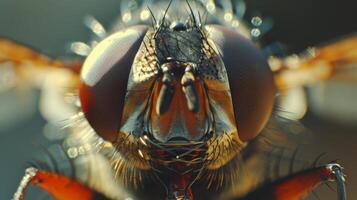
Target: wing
pixel 336 62
pixel 316 64
pixel 21 54
pixel 23 68
pixel 29 64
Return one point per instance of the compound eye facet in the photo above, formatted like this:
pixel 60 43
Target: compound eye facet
pixel 250 80
pixel 104 79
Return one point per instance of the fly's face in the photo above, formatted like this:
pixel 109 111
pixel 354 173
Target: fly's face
pixel 178 100
pixel 174 64
pixel 173 98
pixel 181 111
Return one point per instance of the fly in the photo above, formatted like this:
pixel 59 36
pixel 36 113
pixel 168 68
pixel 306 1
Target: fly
pixel 174 110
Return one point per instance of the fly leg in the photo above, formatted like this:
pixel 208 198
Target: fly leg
pixel 30 173
pixel 59 187
pixel 299 185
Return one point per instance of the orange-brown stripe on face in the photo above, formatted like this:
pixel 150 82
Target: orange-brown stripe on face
pixel 178 120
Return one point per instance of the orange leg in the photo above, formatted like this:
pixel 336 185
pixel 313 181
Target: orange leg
pixel 59 187
pixel 299 185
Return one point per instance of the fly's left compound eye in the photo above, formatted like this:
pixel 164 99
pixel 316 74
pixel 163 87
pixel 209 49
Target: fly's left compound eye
pixel 104 79
pixel 250 78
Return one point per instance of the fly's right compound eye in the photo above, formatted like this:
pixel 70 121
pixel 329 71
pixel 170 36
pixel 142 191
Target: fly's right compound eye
pixel 104 80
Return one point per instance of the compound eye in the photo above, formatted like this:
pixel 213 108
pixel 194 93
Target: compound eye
pixel 250 79
pixel 104 79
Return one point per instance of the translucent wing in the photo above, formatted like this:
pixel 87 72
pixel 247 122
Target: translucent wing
pixel 20 54
pixel 23 68
pixel 329 72
pixel 28 62
pixel 316 64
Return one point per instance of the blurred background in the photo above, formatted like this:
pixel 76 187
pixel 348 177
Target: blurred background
pixel 49 25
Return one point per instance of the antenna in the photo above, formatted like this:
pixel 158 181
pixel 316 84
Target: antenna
pixel 192 14
pixel 152 15
pixel 167 9
pixel 163 19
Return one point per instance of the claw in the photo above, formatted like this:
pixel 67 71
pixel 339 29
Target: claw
pixel 30 173
pixel 340 180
